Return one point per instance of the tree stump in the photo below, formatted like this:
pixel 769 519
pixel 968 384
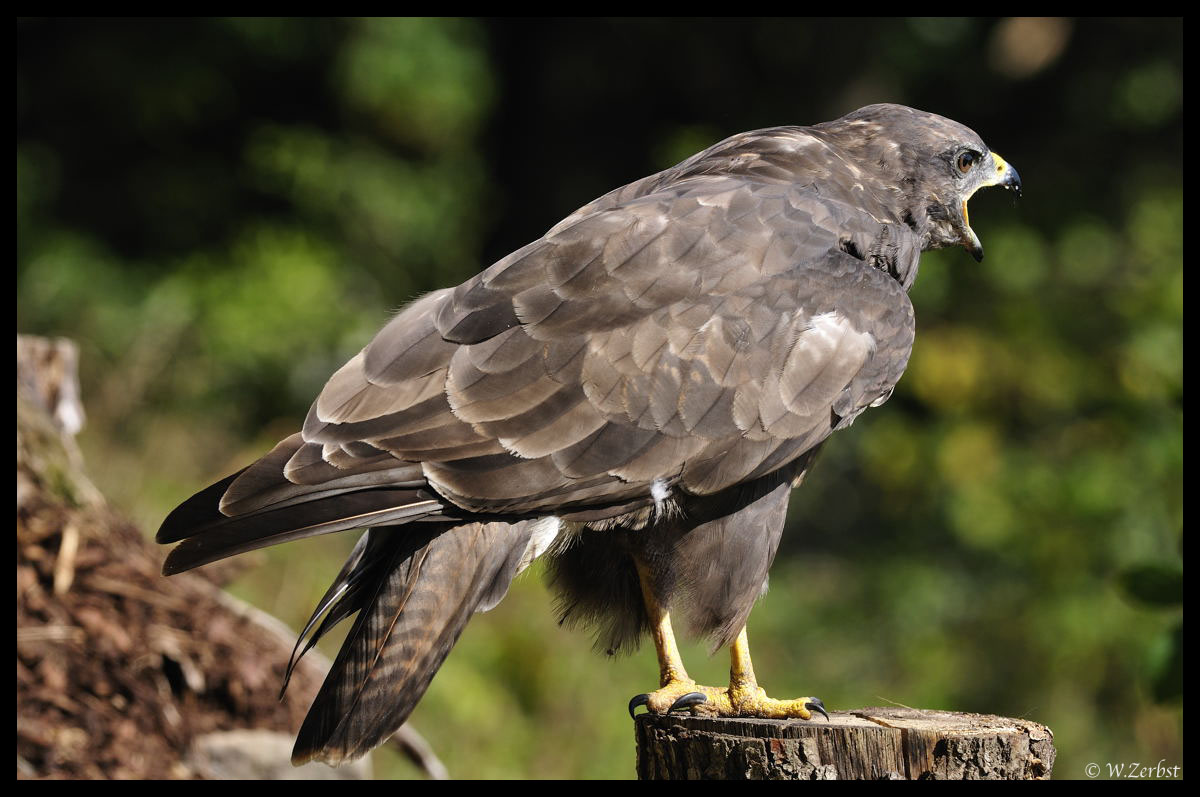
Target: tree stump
pixel 866 744
pixel 122 673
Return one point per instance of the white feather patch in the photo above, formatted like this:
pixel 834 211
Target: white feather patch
pixel 659 491
pixel 545 532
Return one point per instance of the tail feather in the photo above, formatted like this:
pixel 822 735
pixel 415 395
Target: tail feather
pixel 413 585
pixel 349 592
pixel 412 608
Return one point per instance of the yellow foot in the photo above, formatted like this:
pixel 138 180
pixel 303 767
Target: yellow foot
pixel 733 701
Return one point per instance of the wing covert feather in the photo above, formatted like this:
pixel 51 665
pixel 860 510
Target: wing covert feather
pixel 689 334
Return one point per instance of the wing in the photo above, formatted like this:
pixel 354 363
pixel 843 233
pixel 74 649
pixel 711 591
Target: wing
pixel 692 337
pixel 702 335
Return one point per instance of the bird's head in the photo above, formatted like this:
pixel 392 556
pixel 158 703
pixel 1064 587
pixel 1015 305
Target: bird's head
pixel 939 163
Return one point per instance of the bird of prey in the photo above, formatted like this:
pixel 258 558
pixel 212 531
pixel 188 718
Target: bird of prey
pixel 633 396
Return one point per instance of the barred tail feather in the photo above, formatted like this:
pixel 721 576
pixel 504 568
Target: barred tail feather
pixel 414 595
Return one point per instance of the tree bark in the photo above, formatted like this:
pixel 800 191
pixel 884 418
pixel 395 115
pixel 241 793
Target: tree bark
pixel 866 744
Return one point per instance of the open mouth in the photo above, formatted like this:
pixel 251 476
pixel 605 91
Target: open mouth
pixel 1004 176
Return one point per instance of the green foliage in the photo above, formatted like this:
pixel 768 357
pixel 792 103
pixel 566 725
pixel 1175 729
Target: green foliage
pixel 221 212
pixel 1157 585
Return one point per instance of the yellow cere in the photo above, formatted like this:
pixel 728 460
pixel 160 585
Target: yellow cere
pixel 1001 167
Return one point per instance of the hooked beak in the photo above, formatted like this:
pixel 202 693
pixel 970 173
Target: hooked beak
pixel 1002 175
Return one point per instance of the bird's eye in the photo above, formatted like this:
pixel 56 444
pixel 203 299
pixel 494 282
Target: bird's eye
pixel 966 160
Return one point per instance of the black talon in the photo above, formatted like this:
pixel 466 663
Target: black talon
pixel 638 700
pixel 816 705
pixel 688 700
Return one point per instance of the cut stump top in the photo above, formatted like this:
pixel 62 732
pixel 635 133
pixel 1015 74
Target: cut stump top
pixel 889 743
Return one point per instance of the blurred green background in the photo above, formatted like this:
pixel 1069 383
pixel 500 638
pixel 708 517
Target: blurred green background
pixel 222 212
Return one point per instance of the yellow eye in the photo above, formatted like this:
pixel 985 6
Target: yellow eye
pixel 966 160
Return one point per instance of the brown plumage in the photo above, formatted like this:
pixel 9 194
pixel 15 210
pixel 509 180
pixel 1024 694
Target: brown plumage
pixel 643 384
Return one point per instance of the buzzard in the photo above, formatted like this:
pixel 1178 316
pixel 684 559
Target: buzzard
pixel 633 396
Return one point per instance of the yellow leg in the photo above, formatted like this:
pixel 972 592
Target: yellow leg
pixel 742 698
pixel 741 669
pixel 748 699
pixel 673 680
pixel 670 663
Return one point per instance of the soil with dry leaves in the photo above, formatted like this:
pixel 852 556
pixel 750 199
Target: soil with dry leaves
pixel 118 668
